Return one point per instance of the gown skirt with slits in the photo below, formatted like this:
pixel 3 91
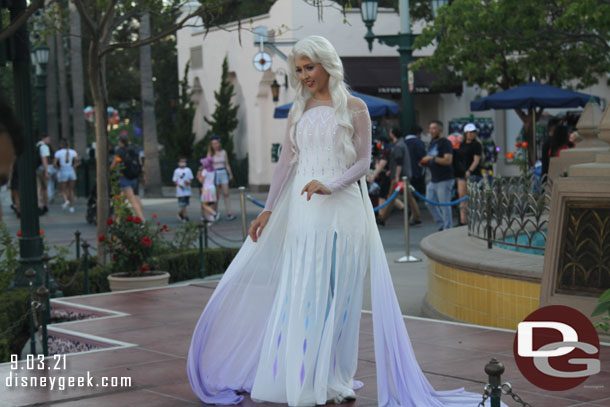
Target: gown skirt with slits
pixel 283 322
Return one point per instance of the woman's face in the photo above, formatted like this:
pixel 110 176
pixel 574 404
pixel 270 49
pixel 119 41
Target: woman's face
pixel 215 145
pixel 313 76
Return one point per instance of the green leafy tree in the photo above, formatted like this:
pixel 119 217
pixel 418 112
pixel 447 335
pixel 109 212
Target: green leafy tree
pixel 179 139
pixel 505 43
pixel 224 119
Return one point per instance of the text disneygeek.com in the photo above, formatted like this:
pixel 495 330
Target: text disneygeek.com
pixel 15 380
pixel 33 372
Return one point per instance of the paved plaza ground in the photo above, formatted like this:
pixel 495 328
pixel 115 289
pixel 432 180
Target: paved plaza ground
pixel 150 331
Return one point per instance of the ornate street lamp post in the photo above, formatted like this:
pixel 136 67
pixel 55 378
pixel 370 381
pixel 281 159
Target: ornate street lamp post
pixel 404 40
pixel 40 58
pixel 30 242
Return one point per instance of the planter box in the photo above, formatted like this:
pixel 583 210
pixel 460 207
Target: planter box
pixel 121 281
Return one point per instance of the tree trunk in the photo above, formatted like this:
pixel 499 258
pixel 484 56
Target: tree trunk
pixel 52 124
pixel 530 131
pixel 101 141
pixel 78 91
pixel 64 100
pixel 151 149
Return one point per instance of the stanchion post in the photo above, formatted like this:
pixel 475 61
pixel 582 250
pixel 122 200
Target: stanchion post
pixel 43 294
pixel 77 242
pixel 47 280
pixel 488 220
pixel 407 258
pixel 242 200
pixel 205 233
pixel 86 266
pixel 494 370
pixel 201 226
pixel 30 274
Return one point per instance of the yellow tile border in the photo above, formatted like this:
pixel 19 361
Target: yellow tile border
pixel 480 299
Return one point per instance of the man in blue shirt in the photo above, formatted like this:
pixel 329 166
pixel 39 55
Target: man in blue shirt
pixel 439 160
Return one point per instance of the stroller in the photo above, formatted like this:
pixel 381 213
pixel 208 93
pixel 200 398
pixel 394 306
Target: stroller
pixel 91 214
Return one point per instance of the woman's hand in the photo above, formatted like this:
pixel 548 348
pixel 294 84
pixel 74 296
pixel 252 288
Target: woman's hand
pixel 315 187
pixel 257 225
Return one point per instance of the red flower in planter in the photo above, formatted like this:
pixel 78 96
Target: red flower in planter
pixel 137 220
pixel 147 241
pixel 18 233
pixel 129 218
pixel 101 238
pixel 144 268
pixel 524 144
pixel 108 221
pixel 154 216
pixel 510 156
pixel 518 144
pixel 41 232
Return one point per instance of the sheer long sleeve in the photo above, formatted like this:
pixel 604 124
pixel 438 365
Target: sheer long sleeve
pixel 282 171
pixel 361 121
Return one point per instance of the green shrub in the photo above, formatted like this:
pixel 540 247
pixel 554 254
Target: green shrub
pixel 185 265
pixel 69 276
pixel 13 307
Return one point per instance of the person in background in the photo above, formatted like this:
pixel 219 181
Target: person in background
pixel 205 175
pixel 128 156
pixel 400 166
pixel 546 144
pixel 43 170
pixel 559 141
pixel 440 161
pixel 14 187
pixel 66 159
pixel 381 175
pixel 417 151
pixel 223 171
pixel 11 142
pixel 468 165
pixel 182 179
pixel 574 137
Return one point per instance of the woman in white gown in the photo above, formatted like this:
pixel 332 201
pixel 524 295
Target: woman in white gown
pixel 283 322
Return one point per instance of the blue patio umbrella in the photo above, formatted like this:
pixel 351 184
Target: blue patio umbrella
pixel 377 107
pixel 530 95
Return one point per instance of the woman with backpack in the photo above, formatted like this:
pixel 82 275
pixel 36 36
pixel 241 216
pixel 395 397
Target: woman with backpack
pixel 131 169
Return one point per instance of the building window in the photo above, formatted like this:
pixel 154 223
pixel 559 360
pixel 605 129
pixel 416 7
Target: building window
pixel 196 57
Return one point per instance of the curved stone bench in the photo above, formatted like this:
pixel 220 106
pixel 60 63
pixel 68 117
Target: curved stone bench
pixel 469 283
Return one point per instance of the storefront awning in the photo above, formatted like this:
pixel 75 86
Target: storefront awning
pixel 381 76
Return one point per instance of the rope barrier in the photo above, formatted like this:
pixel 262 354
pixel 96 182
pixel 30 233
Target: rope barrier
pixel 254 201
pixel 211 239
pixel 223 237
pixel 420 196
pixel 390 199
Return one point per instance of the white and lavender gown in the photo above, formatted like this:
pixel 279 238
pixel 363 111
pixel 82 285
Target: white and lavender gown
pixel 283 322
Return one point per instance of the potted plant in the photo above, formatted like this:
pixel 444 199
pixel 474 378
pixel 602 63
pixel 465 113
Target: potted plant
pixel 132 244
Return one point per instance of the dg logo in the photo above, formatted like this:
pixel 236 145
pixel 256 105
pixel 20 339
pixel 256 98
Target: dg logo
pixel 556 348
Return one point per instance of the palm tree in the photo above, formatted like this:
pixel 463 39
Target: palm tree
pixel 64 99
pixel 78 85
pixel 151 150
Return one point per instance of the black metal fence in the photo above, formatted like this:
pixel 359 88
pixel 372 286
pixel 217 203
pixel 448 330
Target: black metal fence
pixel 511 211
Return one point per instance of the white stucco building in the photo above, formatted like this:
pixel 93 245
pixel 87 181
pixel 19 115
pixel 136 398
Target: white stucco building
pixel 258 130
